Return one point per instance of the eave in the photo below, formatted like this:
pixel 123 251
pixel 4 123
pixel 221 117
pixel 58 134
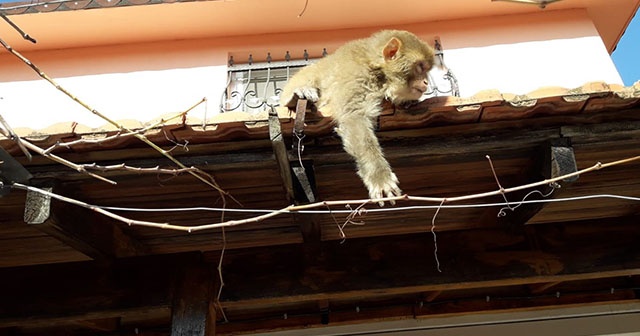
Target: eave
pixel 538 256
pixel 214 19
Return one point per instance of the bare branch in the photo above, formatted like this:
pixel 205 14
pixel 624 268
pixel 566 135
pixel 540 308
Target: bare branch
pixel 120 134
pixel 197 173
pixel 149 170
pixel 294 208
pixel 15 26
pixel 128 221
pixel 11 134
pixel 53 157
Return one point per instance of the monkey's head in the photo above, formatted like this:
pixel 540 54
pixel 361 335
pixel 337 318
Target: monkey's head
pixel 407 60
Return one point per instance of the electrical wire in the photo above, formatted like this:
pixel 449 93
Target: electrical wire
pixel 405 208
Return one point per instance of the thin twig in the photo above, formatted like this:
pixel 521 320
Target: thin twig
pixel 306 2
pixel 20 31
pixel 128 221
pixel 293 208
pixel 55 158
pixel 184 146
pixel 11 134
pixel 360 210
pixel 495 176
pixel 149 170
pixel 141 137
pixel 224 249
pixel 435 237
pixel 120 135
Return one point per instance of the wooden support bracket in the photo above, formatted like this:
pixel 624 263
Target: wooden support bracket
pixel 93 235
pixel 301 174
pixel 193 313
pixel 560 160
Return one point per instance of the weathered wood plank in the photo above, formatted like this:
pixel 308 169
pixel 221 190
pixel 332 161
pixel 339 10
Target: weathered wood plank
pixel 131 287
pixel 193 313
pixel 81 229
pixel 400 265
pixel 280 152
pixel 408 309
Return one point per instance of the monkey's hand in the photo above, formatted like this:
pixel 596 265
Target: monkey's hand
pixel 307 92
pixel 382 183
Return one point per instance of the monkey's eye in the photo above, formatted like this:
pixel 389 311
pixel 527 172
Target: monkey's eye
pixel 420 68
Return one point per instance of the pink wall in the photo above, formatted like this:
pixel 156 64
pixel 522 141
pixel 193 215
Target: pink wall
pixel 144 80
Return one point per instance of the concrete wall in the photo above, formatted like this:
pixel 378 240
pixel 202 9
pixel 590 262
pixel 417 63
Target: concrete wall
pixel 515 54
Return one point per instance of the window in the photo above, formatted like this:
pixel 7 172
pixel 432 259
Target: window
pixel 254 87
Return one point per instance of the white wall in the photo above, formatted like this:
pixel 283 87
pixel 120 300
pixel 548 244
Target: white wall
pixel 514 54
pixel 141 95
pixel 524 67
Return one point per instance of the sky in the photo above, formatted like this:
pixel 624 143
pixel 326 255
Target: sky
pixel 627 54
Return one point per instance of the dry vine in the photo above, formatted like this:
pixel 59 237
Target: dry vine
pixel 24 145
pixel 121 135
pixel 148 170
pixel 199 174
pixel 8 132
pixel 294 208
pixel 55 158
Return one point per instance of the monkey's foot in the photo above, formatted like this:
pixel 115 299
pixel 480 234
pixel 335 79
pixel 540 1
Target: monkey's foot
pixel 380 187
pixel 307 92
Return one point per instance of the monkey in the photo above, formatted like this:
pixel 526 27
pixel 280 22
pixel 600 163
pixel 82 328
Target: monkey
pixel 353 82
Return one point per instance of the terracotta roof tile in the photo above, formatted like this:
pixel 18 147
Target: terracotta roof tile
pixel 486 106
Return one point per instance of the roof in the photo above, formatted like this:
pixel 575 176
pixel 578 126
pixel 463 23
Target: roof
pixel 537 256
pixel 485 106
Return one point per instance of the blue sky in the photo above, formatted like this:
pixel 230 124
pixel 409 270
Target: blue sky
pixel 627 54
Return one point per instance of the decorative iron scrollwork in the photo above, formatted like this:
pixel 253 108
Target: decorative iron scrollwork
pixel 441 80
pixel 253 87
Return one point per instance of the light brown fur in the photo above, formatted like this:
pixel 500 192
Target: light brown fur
pixel 352 83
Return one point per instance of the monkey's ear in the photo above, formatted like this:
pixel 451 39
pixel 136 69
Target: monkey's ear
pixel 391 49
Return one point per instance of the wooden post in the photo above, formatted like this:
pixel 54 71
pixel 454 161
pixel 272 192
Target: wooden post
pixel 193 312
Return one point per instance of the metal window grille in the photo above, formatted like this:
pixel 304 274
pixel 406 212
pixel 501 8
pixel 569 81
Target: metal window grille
pixel 441 80
pixel 253 87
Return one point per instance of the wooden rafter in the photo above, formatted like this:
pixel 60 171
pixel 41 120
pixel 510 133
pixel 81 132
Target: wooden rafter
pixel 94 236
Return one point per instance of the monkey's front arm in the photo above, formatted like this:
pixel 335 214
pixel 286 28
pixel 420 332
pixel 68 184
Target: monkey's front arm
pixel 359 140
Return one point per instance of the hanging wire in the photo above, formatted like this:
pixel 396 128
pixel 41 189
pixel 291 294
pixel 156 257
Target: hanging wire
pixel 413 207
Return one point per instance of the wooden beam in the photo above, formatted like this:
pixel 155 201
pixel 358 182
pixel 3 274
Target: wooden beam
pixel 359 270
pixel 102 324
pixel 301 188
pixel 303 174
pixel 63 294
pixel 560 159
pixel 193 313
pixel 542 287
pixel 87 232
pixel 557 159
pixel 397 310
pixel 405 264
pixel 431 296
pixel 280 151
